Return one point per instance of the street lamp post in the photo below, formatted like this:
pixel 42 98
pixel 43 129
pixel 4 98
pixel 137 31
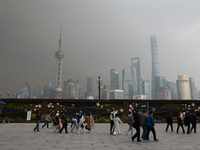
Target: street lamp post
pixel 99 86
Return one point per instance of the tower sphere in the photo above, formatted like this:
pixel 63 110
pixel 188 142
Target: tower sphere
pixel 58 90
pixel 59 54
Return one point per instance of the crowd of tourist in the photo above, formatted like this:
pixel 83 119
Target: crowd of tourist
pixel 136 120
pixel 79 121
pixel 183 119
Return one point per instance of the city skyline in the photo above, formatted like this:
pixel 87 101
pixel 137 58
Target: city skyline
pixel 96 38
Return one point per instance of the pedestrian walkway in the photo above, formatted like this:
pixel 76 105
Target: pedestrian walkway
pixel 20 136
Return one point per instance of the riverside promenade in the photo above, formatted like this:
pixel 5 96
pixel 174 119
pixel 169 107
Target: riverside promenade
pixel 20 136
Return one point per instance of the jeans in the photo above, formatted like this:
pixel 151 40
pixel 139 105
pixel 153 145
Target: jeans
pixel 75 124
pixel 130 128
pixel 46 123
pixel 144 134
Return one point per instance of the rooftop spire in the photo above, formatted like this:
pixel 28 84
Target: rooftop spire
pixel 60 40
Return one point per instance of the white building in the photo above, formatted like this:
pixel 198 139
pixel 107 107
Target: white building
pixel 139 96
pixel 116 94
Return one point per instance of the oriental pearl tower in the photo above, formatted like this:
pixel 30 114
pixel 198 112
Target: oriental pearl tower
pixel 59 56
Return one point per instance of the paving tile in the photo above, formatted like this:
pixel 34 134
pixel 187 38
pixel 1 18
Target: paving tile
pixel 21 136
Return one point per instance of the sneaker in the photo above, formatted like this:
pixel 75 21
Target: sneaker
pixel 139 141
pixel 155 140
pixel 126 133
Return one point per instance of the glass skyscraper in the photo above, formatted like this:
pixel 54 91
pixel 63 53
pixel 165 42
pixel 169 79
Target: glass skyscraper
pixel 135 67
pixel 127 85
pixel 114 79
pixel 89 86
pixel 173 88
pixel 155 64
pixel 144 88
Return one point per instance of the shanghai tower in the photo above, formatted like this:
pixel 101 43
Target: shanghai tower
pixel 155 64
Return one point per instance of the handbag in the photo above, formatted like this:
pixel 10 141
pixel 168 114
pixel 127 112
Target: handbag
pixel 82 126
pixel 59 127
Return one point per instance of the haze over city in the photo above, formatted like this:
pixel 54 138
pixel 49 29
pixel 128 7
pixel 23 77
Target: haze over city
pixel 97 36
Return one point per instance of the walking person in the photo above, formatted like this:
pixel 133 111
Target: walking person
pixel 180 122
pixel 169 122
pixel 47 119
pixel 81 124
pixel 56 122
pixel 90 122
pixel 111 121
pixel 37 120
pixel 74 122
pixel 143 120
pixel 193 118
pixel 116 125
pixel 187 121
pixel 79 116
pixel 130 123
pixel 64 124
pixel 136 125
pixel 150 126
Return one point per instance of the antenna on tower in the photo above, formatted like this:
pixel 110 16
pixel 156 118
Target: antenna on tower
pixel 60 40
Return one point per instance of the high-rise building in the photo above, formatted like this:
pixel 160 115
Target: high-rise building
pixel 144 88
pixel 25 91
pixel 114 79
pixel 105 92
pixel 183 87
pixel 155 64
pixel 173 89
pixel 70 89
pixel 192 88
pixel 135 67
pixel 164 93
pixel 127 84
pixel 90 91
pixel 48 91
pixel 159 82
pixel 116 94
pixel 59 56
pixel 196 93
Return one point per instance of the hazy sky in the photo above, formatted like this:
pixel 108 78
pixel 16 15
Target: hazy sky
pixel 98 35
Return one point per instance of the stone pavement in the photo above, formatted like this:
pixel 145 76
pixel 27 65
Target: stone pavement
pixel 20 136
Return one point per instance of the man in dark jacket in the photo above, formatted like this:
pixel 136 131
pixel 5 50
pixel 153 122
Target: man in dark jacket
pixel 193 118
pixel 137 125
pixel 64 124
pixel 37 120
pixel 169 122
pixel 150 126
pixel 187 121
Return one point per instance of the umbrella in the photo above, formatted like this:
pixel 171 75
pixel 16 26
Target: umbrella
pixel 1 102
